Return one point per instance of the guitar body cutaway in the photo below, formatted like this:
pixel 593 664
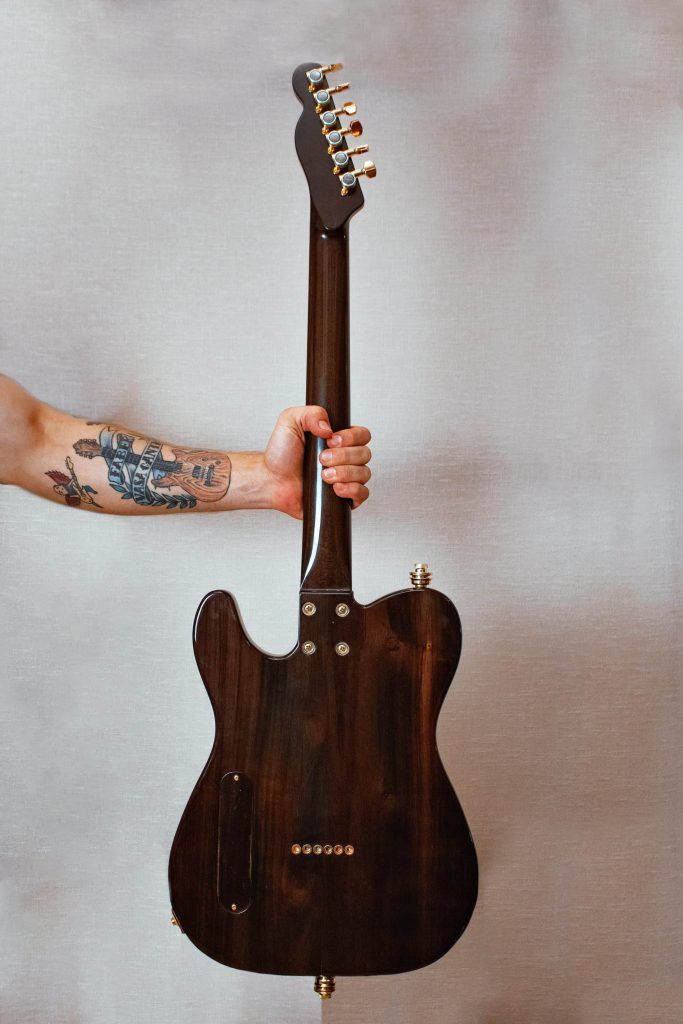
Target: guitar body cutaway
pixel 327 751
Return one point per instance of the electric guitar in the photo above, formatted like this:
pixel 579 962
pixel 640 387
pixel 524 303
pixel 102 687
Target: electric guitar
pixel 323 836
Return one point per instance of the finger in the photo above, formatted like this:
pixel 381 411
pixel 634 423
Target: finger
pixel 312 418
pixel 346 474
pixel 349 436
pixel 356 456
pixel 358 493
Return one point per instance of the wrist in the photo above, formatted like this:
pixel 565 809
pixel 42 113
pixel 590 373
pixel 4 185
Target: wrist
pixel 251 485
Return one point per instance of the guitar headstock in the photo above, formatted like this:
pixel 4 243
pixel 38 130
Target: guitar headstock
pixel 323 132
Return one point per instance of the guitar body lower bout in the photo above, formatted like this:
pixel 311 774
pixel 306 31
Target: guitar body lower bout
pixel 328 751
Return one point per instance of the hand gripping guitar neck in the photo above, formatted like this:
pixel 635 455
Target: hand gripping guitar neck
pixel 323 836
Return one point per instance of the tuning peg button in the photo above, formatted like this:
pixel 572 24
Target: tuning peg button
pixel 341 158
pixel 336 137
pixel 323 97
pixel 330 117
pixel 349 180
pixel 316 75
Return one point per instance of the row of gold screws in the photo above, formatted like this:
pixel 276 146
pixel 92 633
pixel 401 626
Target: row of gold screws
pixel 233 906
pixel 341 648
pixel 318 848
pixel 335 136
pixel 342 610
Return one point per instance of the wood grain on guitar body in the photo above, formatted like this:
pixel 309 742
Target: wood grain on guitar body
pixel 323 836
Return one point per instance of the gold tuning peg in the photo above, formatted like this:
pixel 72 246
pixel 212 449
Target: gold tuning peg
pixel 316 75
pixel 335 137
pixel 340 159
pixel 323 97
pixel 329 118
pixel 350 178
pixel 369 170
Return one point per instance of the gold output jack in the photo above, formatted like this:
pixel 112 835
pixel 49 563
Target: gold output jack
pixel 420 576
pixel 324 986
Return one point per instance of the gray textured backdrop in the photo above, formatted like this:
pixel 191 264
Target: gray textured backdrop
pixel 516 283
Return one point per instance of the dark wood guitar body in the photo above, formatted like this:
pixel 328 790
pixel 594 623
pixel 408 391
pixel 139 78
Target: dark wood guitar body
pixel 337 751
pixel 323 836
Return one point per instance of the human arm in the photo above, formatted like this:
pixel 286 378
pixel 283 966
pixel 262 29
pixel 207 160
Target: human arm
pixel 104 467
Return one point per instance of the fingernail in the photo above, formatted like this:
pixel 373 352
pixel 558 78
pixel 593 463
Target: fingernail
pixel 326 456
pixel 329 474
pixel 336 440
pixel 324 425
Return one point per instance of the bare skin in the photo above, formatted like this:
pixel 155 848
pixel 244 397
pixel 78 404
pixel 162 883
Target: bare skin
pixel 104 467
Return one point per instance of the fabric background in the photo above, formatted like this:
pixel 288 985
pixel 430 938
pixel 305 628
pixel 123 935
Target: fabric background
pixel 516 304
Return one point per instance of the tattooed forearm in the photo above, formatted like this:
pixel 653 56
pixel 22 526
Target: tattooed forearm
pixel 140 470
pixel 109 468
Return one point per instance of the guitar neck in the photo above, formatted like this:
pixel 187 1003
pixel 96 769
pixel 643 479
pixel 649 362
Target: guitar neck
pixel 326 558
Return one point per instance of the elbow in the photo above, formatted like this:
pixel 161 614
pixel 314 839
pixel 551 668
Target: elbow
pixel 21 427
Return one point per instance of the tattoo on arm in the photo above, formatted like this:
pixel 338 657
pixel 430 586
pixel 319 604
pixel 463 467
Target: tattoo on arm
pixel 138 471
pixel 70 487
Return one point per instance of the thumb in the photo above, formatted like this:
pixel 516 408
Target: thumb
pixel 311 418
